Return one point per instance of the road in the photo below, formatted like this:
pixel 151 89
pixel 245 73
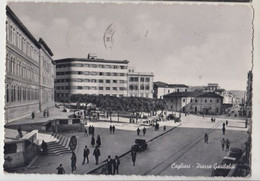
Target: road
pixel 183 147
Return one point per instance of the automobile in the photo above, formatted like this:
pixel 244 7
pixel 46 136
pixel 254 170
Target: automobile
pixel 140 145
pixel 241 170
pixel 170 117
pixel 235 153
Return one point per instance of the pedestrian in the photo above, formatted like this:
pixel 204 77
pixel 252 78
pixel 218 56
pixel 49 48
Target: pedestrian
pixel 246 122
pixel 96 154
pixel 133 154
pixel 109 165
pixel 144 131
pixel 223 125
pixel 89 130
pixel 93 130
pixel 44 147
pixel 138 131
pixel 73 162
pixel 226 122
pixel 47 112
pixel 223 144
pixel 110 129
pixel 92 141
pixel 223 130
pixel 113 129
pixel 86 132
pixel 60 169
pixel 19 130
pixel 164 128
pixel 116 164
pixel 206 138
pixel 85 155
pixel 98 141
pixel 227 145
pixel 33 115
pixel 212 119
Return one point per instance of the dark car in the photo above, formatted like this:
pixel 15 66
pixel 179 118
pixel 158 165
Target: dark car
pixel 140 145
pixel 171 117
pixel 235 153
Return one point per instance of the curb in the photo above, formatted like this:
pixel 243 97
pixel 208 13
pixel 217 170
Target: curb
pixel 99 167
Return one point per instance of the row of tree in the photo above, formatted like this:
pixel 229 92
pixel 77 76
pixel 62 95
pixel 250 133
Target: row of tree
pixel 111 104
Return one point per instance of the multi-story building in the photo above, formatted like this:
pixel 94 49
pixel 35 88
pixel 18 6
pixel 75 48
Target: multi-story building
pixel 47 76
pixel 23 66
pixel 249 91
pixel 100 77
pixel 140 84
pixel 91 76
pixel 194 102
pixel 161 88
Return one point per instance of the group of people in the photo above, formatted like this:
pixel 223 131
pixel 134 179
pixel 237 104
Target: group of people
pixel 213 120
pixel 225 143
pixel 112 129
pixel 138 131
pixel 91 130
pixel 96 142
pixel 112 165
pixel 46 113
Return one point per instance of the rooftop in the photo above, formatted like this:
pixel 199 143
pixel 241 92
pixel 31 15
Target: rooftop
pixel 193 94
pixel 98 60
pixel 165 85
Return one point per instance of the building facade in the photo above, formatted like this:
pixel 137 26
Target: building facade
pixel 91 76
pixel 140 84
pixel 161 88
pixel 194 102
pixel 96 76
pixel 23 66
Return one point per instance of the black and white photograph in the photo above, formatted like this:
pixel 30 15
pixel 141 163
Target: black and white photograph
pixel 146 89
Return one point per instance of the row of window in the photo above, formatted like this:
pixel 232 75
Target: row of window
pixel 92 80
pixel 18 39
pixel 66 95
pixel 20 93
pixel 196 100
pixel 142 79
pixel 142 87
pixel 91 73
pixel 93 66
pixel 90 88
pixel 21 68
pixel 141 95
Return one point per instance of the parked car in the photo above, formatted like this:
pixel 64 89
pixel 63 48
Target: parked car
pixel 170 117
pixel 235 153
pixel 241 170
pixel 140 145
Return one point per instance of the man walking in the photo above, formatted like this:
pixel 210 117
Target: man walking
pixel 109 165
pixel 85 155
pixel 98 141
pixel 223 144
pixel 110 129
pixel 144 131
pixel 116 164
pixel 138 131
pixel 86 132
pixel 114 128
pixel 227 145
pixel 96 153
pixel 206 138
pixel 223 130
pixel 133 154
pixel 93 130
pixel 73 162
pixel 92 141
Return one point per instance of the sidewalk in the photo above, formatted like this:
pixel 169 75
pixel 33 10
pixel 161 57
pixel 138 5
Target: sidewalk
pixel 54 113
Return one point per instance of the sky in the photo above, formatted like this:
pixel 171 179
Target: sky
pixel 181 44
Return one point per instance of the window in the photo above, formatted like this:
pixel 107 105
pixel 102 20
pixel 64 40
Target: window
pixel 121 88
pixel 142 79
pixel 115 88
pixel 101 73
pixel 108 74
pixel 7 93
pixel 206 100
pixel 147 79
pixel 101 88
pixel 114 81
pixel 178 90
pixel 100 81
pixel 79 87
pixel 147 87
pixel 131 87
pixel 142 87
pixel 121 81
pixel 114 74
pixel 107 81
pixel 115 67
pixel 107 88
pixel 196 100
pixel 122 74
pixel 168 91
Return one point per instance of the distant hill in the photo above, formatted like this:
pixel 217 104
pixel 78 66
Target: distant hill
pixel 238 93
